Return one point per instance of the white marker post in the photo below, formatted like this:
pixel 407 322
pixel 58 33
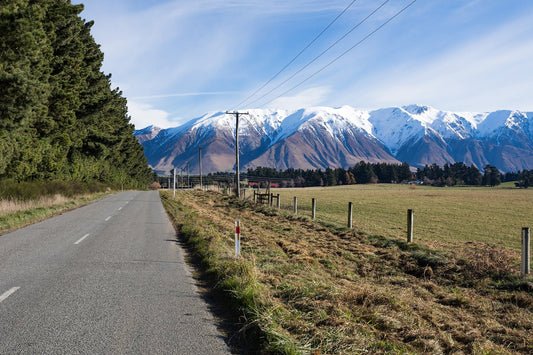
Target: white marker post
pixel 237 237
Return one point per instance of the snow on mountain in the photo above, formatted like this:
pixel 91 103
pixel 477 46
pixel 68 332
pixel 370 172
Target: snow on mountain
pixel 322 137
pixel 147 133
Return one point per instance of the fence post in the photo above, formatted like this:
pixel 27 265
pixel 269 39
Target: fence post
pixel 255 196
pixel 313 215
pixel 525 251
pixel 350 210
pixel 295 205
pixel 410 219
pixel 278 203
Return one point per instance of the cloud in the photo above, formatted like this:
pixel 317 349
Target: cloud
pixel 184 94
pixel 307 98
pixel 143 115
pixel 488 73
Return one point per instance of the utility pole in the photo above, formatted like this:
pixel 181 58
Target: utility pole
pixel 174 183
pixel 188 185
pixel 236 113
pixel 200 159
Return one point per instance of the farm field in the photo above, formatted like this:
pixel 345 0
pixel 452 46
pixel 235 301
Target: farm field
pixel 451 214
pixel 312 288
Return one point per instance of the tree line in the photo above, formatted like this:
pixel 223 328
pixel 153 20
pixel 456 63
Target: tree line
pixel 361 173
pixel 59 117
pixel 365 173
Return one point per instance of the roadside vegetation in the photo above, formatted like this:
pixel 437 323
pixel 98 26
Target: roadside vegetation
pixel 307 287
pixel 22 203
pixel 60 117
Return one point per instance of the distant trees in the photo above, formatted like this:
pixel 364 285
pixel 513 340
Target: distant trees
pixel 450 175
pixel 491 176
pixel 525 178
pixel 59 117
pixel 361 173
pixel 366 173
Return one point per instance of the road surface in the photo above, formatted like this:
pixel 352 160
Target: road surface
pixel 107 278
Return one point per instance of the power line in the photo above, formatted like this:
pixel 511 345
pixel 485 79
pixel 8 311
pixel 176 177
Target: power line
pixel 298 55
pixel 343 54
pixel 323 52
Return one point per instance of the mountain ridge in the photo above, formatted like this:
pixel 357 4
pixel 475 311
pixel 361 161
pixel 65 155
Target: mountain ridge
pixel 322 137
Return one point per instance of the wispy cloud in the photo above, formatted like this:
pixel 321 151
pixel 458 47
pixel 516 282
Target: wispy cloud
pixel 144 115
pixel 491 72
pixel 177 59
pixel 184 94
pixel 306 98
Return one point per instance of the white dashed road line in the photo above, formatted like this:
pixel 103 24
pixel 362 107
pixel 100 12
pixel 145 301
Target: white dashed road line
pixel 82 238
pixel 108 218
pixel 8 293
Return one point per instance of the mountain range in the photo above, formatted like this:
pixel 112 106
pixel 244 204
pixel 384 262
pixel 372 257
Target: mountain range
pixel 322 137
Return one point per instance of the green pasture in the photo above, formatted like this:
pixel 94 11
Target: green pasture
pixel 442 214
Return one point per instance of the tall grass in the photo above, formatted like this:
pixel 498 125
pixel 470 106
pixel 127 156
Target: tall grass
pixel 22 203
pixel 35 190
pixel 12 206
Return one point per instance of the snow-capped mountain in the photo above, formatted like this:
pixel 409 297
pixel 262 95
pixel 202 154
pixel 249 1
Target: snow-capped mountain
pixel 322 137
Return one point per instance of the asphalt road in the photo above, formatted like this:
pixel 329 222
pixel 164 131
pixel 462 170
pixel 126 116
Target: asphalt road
pixel 107 278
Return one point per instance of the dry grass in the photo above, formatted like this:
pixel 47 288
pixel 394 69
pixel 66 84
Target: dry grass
pixel 12 206
pixel 342 292
pixel 15 214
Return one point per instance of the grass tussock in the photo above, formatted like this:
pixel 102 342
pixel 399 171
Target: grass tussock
pixel 302 287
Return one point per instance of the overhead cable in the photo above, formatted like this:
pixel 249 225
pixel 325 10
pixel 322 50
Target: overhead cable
pixel 298 55
pixel 322 53
pixel 341 55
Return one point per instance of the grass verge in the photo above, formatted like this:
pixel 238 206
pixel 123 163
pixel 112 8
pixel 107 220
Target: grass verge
pixel 16 214
pixel 234 279
pixel 302 287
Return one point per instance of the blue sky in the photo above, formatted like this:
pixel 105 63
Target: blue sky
pixel 176 60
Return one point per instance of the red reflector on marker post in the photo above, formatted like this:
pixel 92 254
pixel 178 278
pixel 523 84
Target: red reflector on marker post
pixel 237 237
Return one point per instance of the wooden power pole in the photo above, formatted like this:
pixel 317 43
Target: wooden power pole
pixel 200 162
pixel 237 172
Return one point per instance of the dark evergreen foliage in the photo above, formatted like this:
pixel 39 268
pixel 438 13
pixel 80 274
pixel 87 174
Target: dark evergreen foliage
pixel 365 173
pixel 450 175
pixel 361 173
pixel 492 176
pixel 59 117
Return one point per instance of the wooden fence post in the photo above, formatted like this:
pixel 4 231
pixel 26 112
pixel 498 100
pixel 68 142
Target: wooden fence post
pixel 278 203
pixel 313 202
pixel 350 211
pixel 525 251
pixel 295 205
pixel 410 220
pixel 255 196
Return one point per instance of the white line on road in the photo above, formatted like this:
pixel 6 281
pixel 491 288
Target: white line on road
pixel 81 239
pixel 119 208
pixel 108 218
pixel 8 293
